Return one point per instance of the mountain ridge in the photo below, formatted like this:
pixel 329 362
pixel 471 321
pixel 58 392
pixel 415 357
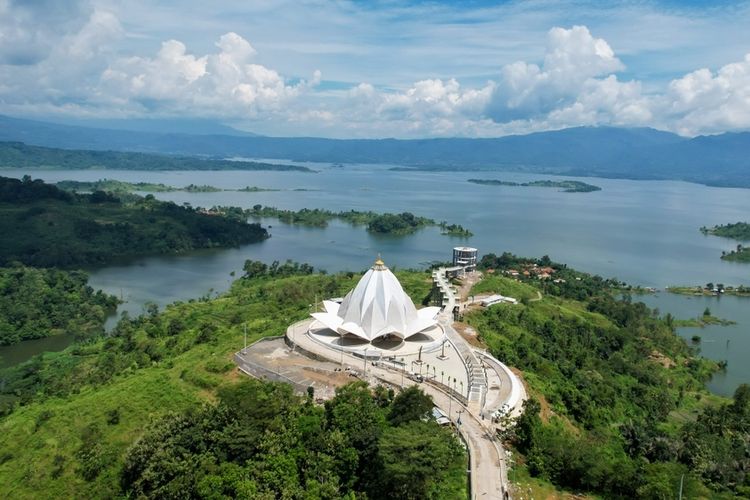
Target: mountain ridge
pixel 634 153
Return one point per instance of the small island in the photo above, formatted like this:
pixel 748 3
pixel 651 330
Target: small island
pixel 565 186
pixel 739 231
pixel 711 289
pixel 703 320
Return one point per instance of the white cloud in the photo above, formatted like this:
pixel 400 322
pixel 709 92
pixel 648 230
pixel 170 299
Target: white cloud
pixel 449 72
pixel 572 61
pixel 702 101
pixel 222 84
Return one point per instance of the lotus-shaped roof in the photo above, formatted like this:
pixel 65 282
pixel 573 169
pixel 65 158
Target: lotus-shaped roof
pixel 377 306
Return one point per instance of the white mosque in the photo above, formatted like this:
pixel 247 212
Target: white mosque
pixel 377 315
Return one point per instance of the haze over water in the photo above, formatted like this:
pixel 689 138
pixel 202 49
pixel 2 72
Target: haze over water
pixel 642 232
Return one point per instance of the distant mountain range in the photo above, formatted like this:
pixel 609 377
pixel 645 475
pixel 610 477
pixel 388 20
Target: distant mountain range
pixel 632 153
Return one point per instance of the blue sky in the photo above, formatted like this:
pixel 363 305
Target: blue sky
pixel 381 69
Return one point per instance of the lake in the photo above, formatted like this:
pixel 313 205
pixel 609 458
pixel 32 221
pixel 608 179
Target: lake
pixel 643 232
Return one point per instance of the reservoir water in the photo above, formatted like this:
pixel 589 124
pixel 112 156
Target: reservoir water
pixel 642 232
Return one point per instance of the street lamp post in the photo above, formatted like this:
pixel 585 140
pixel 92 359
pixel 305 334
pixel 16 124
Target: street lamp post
pixel 365 363
pixel 244 351
pixel 450 403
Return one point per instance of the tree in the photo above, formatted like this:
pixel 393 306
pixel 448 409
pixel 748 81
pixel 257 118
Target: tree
pixel 414 457
pixel 254 269
pixel 411 404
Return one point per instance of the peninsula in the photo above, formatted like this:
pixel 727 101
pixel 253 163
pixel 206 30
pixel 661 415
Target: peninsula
pixel 739 231
pixel 115 186
pixel 564 186
pixel 47 227
pixel 380 223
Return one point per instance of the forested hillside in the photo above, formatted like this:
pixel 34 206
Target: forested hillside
pixel 36 303
pixel 621 411
pixel 618 404
pixel 45 226
pixel 20 155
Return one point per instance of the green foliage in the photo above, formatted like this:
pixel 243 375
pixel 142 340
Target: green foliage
pixel 45 226
pixel 115 186
pixel 565 282
pixel 403 223
pixel 398 224
pixel 741 254
pixel 410 405
pixel 613 373
pixel 36 303
pixel 411 454
pixel 739 231
pixel 264 441
pixel 504 286
pixel 257 269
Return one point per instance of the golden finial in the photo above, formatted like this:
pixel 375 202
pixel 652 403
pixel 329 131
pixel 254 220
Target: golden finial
pixel 379 262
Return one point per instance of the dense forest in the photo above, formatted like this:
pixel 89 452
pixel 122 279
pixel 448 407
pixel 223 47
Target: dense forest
pixel 565 186
pixel 45 226
pixel 20 155
pixel 261 441
pixel 36 303
pixel 618 405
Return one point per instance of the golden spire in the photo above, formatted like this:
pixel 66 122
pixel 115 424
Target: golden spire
pixel 379 262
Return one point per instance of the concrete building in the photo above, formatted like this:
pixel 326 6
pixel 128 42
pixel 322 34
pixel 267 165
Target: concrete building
pixel 465 257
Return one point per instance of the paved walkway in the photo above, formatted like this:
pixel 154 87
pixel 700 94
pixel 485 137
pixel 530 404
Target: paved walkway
pixel 488 474
pixel 488 470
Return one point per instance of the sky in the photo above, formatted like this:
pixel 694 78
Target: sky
pixel 362 69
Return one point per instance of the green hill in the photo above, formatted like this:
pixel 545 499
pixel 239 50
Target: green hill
pixel 20 155
pixel 618 409
pixel 45 226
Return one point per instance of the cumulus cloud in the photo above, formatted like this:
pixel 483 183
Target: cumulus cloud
pixel 702 101
pixel 573 61
pixel 574 85
pixel 77 59
pixel 225 83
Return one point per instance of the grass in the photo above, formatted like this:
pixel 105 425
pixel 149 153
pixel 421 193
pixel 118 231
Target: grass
pixel 536 488
pixel 495 284
pixel 40 441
